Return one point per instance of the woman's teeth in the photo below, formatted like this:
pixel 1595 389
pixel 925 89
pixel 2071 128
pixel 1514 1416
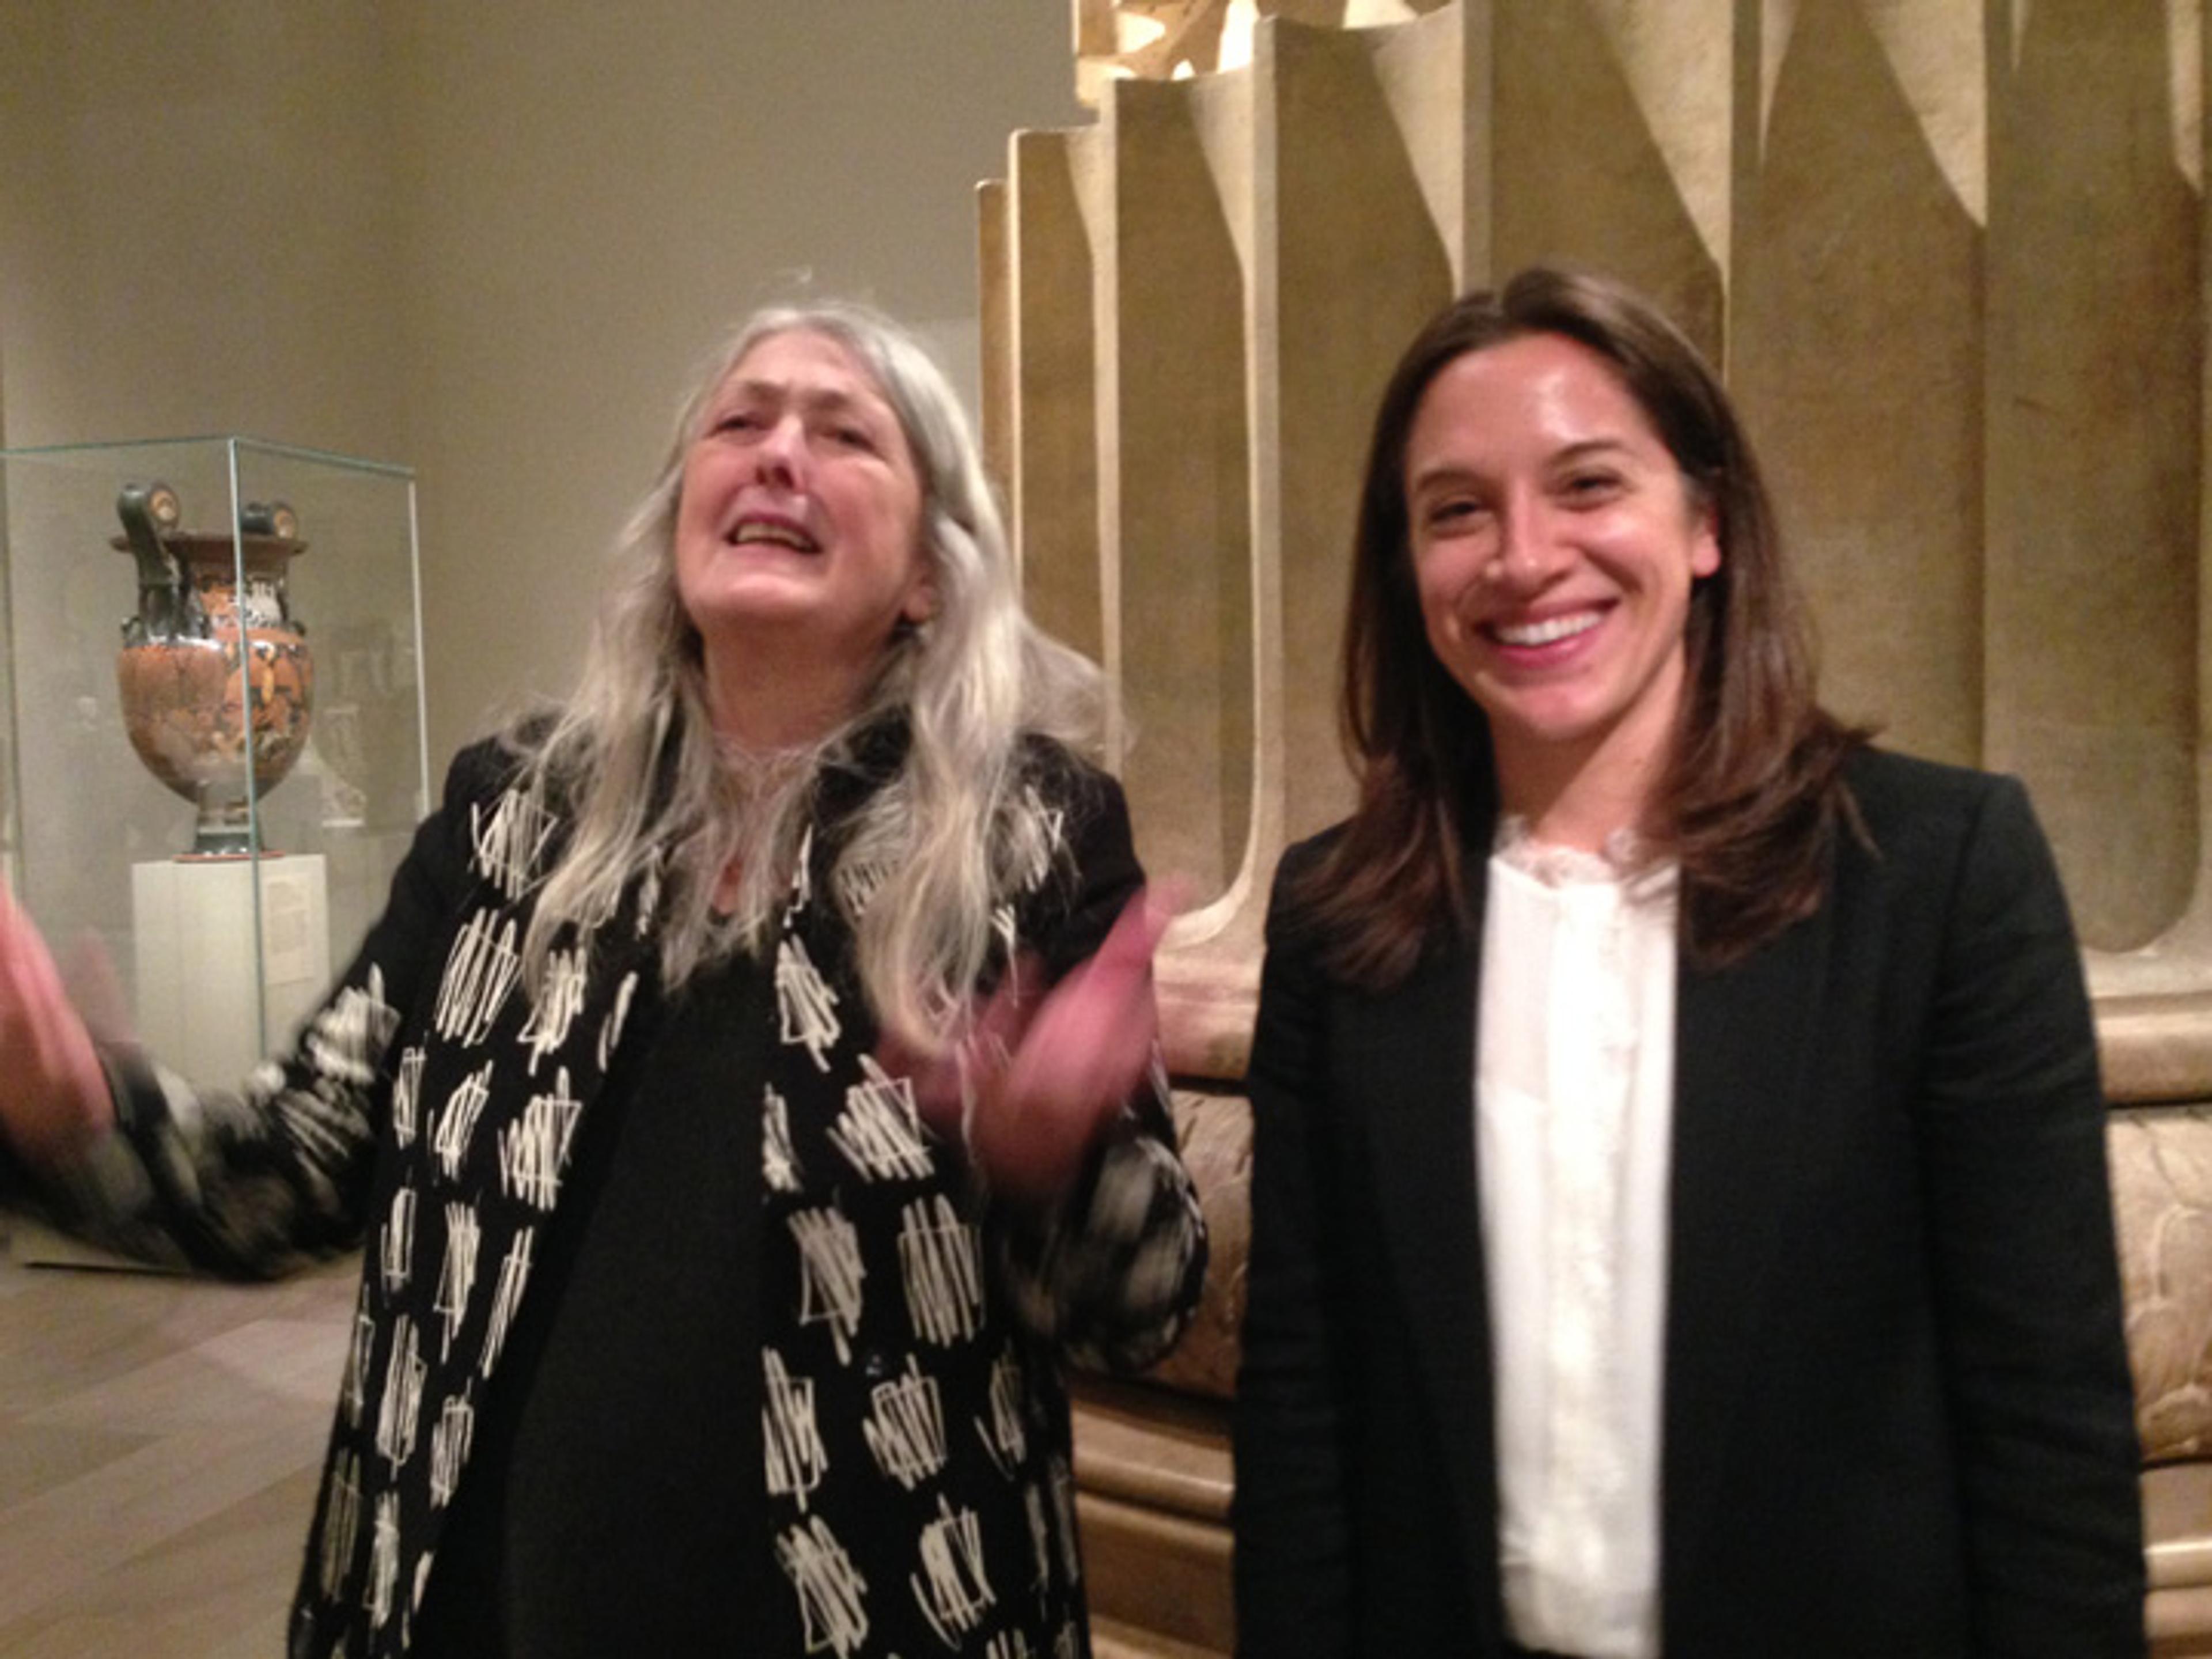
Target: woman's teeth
pixel 761 530
pixel 1545 632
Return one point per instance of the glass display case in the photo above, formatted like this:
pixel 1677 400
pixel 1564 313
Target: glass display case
pixel 214 732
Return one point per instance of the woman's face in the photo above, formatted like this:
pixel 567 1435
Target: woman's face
pixel 1554 541
pixel 800 509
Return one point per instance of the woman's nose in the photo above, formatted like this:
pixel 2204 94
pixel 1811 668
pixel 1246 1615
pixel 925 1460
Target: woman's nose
pixel 1529 552
pixel 781 454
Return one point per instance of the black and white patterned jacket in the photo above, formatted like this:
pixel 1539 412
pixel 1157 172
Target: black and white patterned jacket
pixel 427 1110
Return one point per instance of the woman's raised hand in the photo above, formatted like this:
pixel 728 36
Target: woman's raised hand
pixel 53 1094
pixel 1037 1077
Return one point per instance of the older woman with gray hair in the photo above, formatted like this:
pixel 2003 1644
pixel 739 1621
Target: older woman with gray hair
pixel 747 1098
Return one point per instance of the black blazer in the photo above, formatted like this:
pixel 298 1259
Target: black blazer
pixel 1898 1418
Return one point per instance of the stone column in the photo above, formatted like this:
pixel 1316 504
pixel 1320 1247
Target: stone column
pixel 1948 252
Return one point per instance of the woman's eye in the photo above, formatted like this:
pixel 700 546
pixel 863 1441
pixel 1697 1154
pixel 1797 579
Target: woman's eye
pixel 1592 486
pixel 738 420
pixel 1453 514
pixel 854 437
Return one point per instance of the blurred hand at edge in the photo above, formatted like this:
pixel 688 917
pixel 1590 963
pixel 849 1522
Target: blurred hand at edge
pixel 54 1099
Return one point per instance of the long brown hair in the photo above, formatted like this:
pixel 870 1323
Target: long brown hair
pixel 1753 789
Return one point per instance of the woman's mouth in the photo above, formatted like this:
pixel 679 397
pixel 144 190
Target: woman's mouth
pixel 779 532
pixel 1550 630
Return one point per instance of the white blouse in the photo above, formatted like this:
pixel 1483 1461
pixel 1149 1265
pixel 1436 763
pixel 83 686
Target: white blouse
pixel 1574 1103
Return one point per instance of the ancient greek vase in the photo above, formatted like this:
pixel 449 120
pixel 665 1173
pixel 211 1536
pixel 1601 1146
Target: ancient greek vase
pixel 216 682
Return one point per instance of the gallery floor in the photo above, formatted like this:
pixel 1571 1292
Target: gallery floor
pixel 159 1438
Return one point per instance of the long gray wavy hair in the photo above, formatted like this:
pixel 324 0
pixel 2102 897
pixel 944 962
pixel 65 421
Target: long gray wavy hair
pixel 933 849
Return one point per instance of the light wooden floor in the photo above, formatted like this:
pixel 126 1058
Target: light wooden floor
pixel 160 1439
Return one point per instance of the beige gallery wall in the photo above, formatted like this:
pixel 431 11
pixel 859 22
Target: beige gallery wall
pixel 486 241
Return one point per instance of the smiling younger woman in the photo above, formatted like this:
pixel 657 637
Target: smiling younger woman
pixel 1679 1207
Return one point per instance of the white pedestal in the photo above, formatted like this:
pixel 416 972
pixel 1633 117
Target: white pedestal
pixel 198 979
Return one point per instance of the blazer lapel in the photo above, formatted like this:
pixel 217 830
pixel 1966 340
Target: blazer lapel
pixel 1413 1052
pixel 1744 1039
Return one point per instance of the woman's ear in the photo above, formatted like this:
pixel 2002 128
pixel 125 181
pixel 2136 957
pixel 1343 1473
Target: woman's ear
pixel 921 595
pixel 1706 551
pixel 1704 534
